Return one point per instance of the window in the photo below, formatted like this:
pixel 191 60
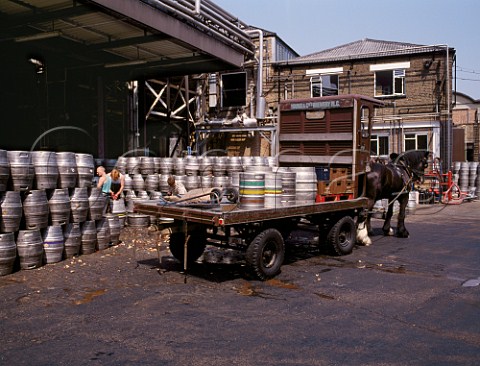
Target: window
pixel 414 141
pixel 234 89
pixel 389 82
pixel 379 145
pixel 323 85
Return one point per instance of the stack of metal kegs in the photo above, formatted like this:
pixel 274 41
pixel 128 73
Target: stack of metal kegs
pixel 49 209
pixel 467 176
pixel 259 180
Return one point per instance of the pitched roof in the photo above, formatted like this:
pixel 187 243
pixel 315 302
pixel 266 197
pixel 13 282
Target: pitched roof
pixel 364 48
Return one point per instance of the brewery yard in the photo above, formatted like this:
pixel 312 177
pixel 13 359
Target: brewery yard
pixel 397 302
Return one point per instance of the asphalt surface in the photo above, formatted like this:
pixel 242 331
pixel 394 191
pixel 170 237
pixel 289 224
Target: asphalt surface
pixel 412 301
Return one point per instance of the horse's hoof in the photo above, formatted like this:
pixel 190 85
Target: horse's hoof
pixel 388 232
pixel 402 234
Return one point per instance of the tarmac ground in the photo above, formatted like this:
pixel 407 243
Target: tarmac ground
pixel 413 301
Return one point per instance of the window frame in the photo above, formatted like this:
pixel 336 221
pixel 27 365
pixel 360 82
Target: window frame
pixel 318 79
pixel 375 138
pixel 413 136
pixel 396 75
pixel 224 90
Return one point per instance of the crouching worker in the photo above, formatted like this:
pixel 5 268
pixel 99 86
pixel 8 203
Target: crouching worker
pixel 175 189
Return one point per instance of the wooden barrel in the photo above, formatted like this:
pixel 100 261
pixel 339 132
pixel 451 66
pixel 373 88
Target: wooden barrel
pixel 252 190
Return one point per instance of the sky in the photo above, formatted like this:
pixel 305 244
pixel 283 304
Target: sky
pixel 309 26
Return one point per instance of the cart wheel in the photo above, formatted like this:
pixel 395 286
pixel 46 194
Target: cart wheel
pixel 231 194
pixel 197 241
pixel 215 195
pixel 265 254
pixel 341 236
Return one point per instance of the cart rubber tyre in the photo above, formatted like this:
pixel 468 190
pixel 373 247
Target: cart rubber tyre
pixel 197 241
pixel 341 237
pixel 265 254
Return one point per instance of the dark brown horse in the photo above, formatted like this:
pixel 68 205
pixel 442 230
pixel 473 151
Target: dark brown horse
pixel 394 181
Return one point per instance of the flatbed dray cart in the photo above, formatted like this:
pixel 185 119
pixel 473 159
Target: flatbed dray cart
pixel 260 233
pixel 329 133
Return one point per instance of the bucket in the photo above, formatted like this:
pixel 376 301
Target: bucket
pixel 35 209
pixel 8 253
pixel 115 228
pixel 4 170
pixel 413 200
pixel 21 170
pixel 73 240
pixel 53 243
pixel 30 249
pixel 85 169
pixel 252 190
pixel 46 169
pixel 79 205
pixel 96 202
pixel 67 169
pixel 59 205
pixel 10 211
pixel 103 233
pixel 89 237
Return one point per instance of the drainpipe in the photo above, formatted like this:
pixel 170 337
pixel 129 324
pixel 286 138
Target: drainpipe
pixel 197 6
pixel 260 100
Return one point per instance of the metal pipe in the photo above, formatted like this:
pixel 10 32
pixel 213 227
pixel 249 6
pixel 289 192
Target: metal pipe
pixel 188 14
pixel 260 69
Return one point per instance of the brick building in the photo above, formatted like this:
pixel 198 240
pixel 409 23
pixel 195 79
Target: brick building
pixel 414 81
pixel 466 131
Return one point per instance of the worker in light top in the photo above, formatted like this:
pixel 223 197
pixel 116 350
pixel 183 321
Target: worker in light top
pixel 175 188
